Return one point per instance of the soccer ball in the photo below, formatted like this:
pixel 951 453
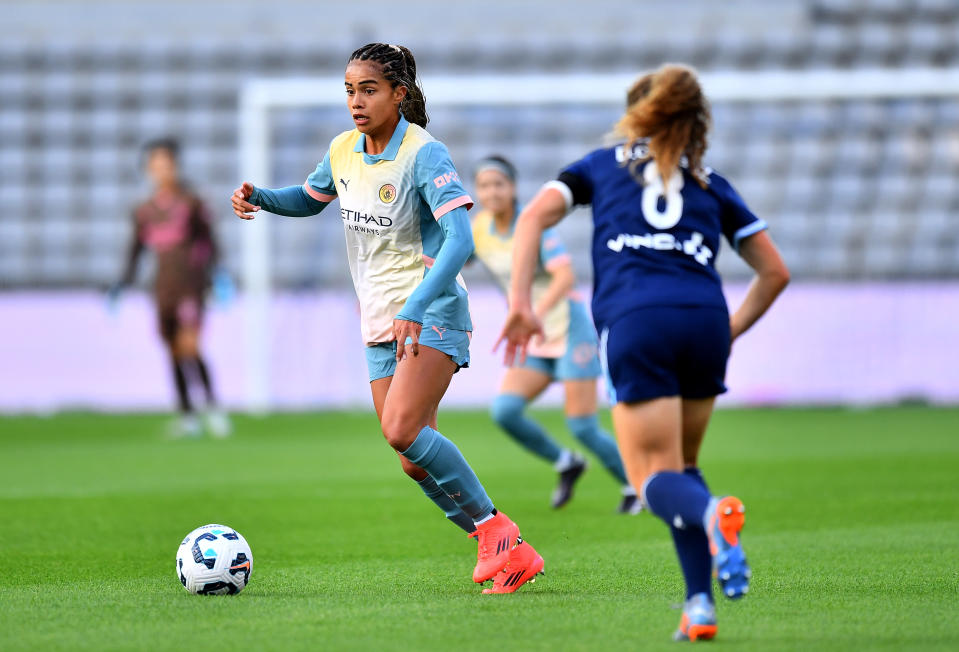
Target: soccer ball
pixel 214 560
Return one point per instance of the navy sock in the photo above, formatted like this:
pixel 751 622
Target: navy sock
pixel 692 548
pixel 680 499
pixel 677 498
pixel 507 412
pixel 586 429
pixel 440 457
pixel 444 502
pixel 697 473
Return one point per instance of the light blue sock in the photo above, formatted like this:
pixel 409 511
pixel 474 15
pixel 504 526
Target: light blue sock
pixel 444 502
pixel 507 412
pixel 440 457
pixel 586 429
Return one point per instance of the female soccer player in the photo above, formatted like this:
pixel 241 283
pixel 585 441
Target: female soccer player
pixel 408 234
pixel 176 225
pixel 658 215
pixel 569 352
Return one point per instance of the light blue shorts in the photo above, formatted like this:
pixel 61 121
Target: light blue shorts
pixel 581 360
pixel 381 358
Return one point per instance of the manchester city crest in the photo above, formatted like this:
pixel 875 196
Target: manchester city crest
pixel 387 193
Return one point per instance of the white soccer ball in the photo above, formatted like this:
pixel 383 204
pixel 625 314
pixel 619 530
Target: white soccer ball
pixel 214 560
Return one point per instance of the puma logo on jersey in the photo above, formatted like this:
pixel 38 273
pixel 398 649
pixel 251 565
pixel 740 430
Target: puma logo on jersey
pixel 345 183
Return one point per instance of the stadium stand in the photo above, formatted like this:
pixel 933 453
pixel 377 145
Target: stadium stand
pixel 853 190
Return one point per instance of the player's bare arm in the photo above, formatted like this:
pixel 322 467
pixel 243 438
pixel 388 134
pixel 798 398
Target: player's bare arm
pixel 547 209
pixel 561 281
pixel 771 279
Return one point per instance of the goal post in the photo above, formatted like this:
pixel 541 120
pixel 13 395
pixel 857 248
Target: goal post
pixel 259 97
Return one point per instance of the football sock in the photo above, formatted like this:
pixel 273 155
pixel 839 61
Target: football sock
pixel 696 472
pixel 586 429
pixel 692 547
pixel 507 412
pixel 681 499
pixel 565 461
pixel 485 518
pixel 440 457
pixel 677 498
pixel 182 390
pixel 203 373
pixel 444 502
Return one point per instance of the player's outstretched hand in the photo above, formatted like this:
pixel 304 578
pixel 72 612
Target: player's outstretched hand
pixel 244 209
pixel 406 330
pixel 520 327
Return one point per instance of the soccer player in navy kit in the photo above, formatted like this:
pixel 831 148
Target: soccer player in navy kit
pixel 568 354
pixel 665 332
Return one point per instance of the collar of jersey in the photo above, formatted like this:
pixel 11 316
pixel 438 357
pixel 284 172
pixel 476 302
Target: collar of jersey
pixel 388 154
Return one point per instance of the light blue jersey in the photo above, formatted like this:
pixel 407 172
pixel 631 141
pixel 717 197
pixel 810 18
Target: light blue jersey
pixel 390 204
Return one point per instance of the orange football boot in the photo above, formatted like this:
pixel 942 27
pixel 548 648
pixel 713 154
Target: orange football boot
pixel 496 537
pixel 699 620
pixel 524 565
pixel 724 521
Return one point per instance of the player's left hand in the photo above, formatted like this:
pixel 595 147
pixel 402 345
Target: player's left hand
pixel 406 330
pixel 521 325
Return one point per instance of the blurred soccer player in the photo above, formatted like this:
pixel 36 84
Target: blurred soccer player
pixel 567 354
pixel 176 226
pixel 408 235
pixel 658 215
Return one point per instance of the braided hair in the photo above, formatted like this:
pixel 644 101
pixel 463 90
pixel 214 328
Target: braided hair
pixel 399 69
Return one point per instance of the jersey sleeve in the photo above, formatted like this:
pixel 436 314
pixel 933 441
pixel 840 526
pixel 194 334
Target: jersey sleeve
pixel 736 220
pixel 319 185
pixel 437 180
pixel 552 251
pixel 576 184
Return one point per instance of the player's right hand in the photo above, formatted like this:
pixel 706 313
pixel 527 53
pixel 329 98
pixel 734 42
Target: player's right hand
pixel 244 209
pixel 520 327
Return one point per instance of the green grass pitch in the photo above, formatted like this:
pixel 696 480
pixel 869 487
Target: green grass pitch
pixel 852 531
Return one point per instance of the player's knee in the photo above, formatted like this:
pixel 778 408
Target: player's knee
pixel 186 346
pixel 399 429
pixel 506 408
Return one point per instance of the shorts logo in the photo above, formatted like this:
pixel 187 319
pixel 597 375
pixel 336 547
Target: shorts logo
pixel 387 193
pixel 584 353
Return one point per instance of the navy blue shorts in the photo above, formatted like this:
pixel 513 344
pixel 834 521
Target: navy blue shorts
pixel 666 351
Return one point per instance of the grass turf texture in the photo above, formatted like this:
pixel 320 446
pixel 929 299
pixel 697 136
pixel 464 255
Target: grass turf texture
pixel 852 531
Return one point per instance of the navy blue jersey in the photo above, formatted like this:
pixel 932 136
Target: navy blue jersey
pixel 653 247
